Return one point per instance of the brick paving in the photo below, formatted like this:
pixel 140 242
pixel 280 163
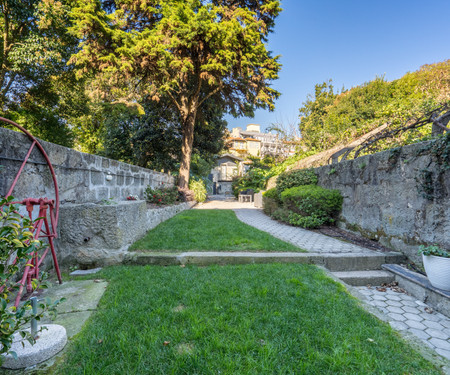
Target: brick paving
pixel 305 239
pixel 407 314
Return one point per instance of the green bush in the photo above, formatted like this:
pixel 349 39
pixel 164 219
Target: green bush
pixel 199 189
pixel 272 193
pixel 299 177
pixel 281 214
pixel 271 201
pixel 255 179
pixel 311 205
pixel 164 196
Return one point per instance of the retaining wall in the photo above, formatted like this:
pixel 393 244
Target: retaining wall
pixel 400 197
pixel 96 223
pixel 81 177
pixel 99 234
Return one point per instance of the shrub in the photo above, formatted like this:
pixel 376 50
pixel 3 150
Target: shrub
pixel 299 177
pixel 272 193
pixel 16 242
pixel 271 201
pixel 281 214
pixel 164 196
pixel 311 205
pixel 199 189
pixel 255 179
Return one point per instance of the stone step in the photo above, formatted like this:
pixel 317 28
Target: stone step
pixel 331 261
pixel 362 278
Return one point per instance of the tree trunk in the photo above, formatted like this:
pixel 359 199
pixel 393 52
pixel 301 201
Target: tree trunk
pixel 186 150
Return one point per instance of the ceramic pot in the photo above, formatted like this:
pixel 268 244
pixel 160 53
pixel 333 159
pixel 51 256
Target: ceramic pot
pixel 438 271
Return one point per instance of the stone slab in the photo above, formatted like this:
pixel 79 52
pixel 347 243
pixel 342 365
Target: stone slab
pixel 50 342
pixel 81 295
pixel 361 278
pixel 85 272
pixel 332 261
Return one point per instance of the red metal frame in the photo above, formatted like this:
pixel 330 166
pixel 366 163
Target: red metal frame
pixel 45 226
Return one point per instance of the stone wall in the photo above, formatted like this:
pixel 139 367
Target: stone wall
pixel 96 223
pixel 100 234
pixel 81 177
pixel 400 197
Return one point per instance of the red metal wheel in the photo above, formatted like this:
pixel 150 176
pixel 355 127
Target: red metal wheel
pixel 45 226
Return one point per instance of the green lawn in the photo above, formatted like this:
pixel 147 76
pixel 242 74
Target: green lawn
pixel 237 320
pixel 209 230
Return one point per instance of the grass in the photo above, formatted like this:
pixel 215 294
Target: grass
pixel 209 230
pixel 253 319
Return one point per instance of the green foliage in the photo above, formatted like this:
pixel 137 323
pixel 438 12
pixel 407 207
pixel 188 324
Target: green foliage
pixel 34 51
pixel 294 178
pixel 152 140
pixel 271 201
pixel 189 51
pixel 199 189
pixel 329 118
pixel 16 242
pixel 434 250
pixel 255 179
pixel 161 197
pixel 311 205
pixel 272 193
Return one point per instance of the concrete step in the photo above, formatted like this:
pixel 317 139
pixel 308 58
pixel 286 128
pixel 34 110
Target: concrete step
pixel 331 261
pixel 362 278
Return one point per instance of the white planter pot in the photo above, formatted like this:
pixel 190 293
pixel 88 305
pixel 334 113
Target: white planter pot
pixel 438 271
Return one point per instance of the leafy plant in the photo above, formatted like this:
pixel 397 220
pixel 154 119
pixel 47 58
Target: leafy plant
pixel 17 245
pixel 108 202
pixel 255 179
pixel 199 189
pixel 271 201
pixel 164 196
pixel 294 178
pixel 434 250
pixel 311 206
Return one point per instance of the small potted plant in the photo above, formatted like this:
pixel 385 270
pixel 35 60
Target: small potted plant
pixel 437 266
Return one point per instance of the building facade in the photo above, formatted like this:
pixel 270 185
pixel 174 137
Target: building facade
pixel 252 142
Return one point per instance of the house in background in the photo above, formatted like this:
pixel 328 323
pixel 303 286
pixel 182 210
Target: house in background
pixel 228 167
pixel 252 142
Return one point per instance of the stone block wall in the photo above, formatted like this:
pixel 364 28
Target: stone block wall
pixel 93 230
pixel 400 197
pixel 99 234
pixel 81 177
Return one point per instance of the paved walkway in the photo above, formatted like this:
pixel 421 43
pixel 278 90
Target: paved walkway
pixel 305 239
pixel 409 315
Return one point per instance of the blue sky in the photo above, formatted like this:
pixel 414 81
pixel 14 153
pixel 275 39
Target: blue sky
pixel 351 42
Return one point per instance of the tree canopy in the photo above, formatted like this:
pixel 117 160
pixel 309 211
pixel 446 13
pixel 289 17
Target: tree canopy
pixel 189 51
pixel 328 118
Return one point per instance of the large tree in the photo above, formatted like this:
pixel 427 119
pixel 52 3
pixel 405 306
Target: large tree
pixel 34 45
pixel 152 140
pixel 187 50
